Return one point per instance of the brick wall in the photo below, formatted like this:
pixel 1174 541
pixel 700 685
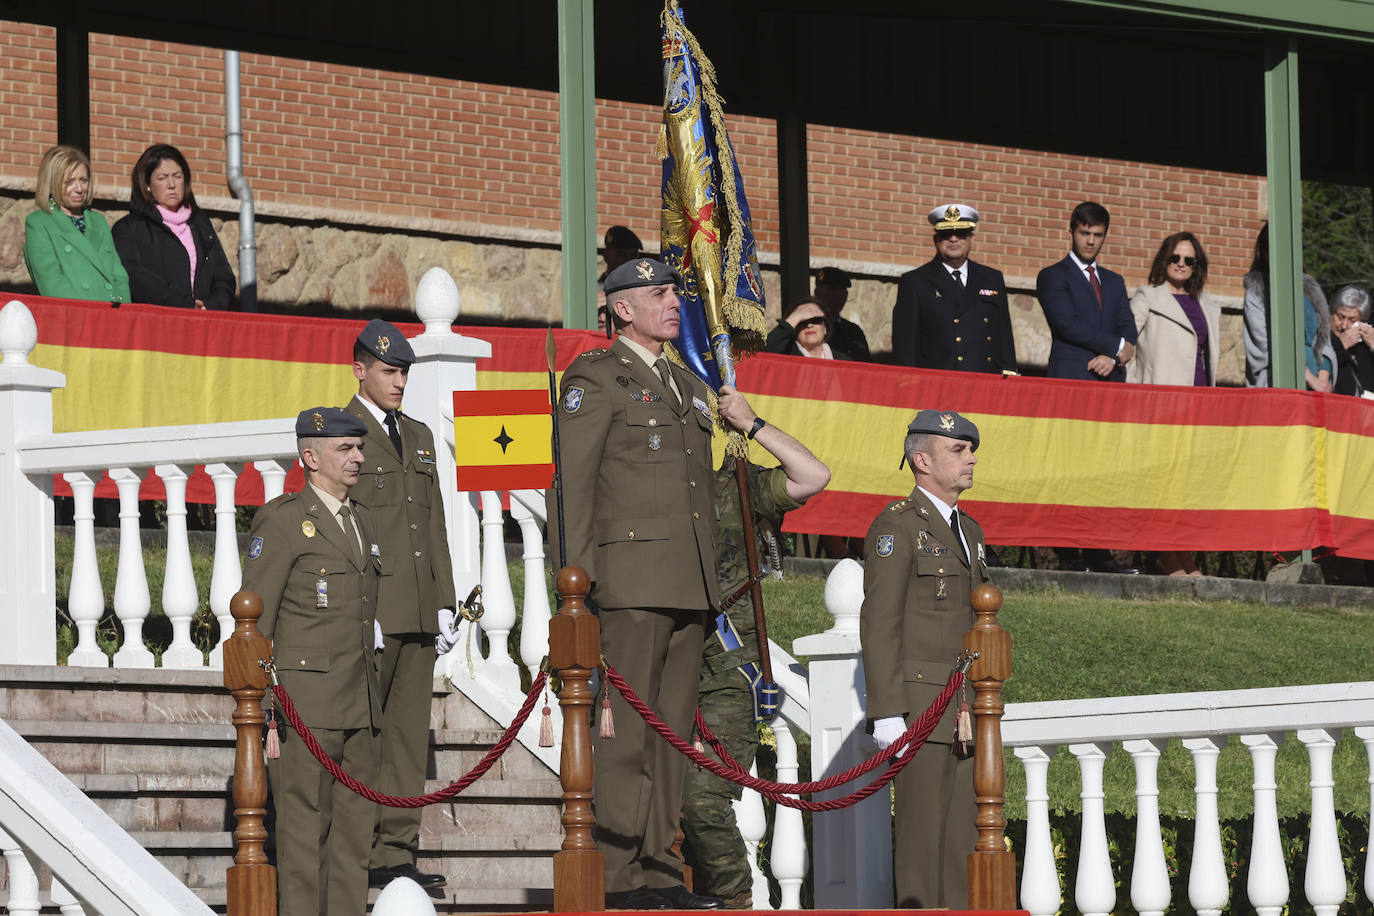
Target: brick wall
pixel 346 140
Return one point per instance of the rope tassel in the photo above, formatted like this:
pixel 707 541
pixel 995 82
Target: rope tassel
pixel 546 724
pixel 273 739
pixel 606 723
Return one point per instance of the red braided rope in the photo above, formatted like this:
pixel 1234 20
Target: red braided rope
pixel 781 793
pixel 415 801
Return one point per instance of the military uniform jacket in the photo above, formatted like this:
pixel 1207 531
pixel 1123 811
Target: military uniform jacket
pixel 318 607
pixel 917 607
pixel 939 324
pixel 637 483
pixel 407 510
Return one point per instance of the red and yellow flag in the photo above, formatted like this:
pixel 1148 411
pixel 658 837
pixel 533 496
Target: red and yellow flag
pixel 503 440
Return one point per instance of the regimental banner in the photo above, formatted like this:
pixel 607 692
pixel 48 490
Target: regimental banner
pixel 507 440
pixel 1061 462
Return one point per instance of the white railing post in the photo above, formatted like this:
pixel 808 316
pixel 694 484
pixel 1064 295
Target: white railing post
pixel 851 858
pixel 1095 891
pixel 85 597
pixel 1039 878
pixel 1324 883
pixel 131 599
pixel 227 574
pixel 535 615
pixel 1267 885
pixel 498 599
pixel 273 477
pixel 1207 885
pixel 180 600
pixel 788 858
pixel 66 903
pixel 23 879
pixel 1366 734
pixel 28 592
pixel 1150 890
pixel 752 820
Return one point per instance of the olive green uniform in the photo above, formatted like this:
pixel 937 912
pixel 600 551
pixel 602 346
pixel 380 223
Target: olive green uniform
pixel 402 495
pixel 712 842
pixel 917 607
pixel 318 600
pixel 639 518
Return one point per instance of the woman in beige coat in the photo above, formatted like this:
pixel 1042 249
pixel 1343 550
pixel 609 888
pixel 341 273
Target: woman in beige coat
pixel 1177 339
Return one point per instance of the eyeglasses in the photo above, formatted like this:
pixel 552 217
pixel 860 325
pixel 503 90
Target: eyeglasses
pixel 945 234
pixel 1190 261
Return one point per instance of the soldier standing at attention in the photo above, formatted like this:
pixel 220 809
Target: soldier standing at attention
pixel 922 560
pixel 399 487
pixel 638 515
pixel 312 560
pixel 713 845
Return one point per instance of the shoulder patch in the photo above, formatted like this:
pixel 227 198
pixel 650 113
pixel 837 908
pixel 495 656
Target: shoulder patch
pixel 572 399
pixel 255 548
pixel 885 545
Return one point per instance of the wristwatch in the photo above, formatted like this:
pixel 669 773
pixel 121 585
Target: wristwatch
pixel 758 425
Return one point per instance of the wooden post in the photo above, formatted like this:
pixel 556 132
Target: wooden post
pixel 251 882
pixel 579 883
pixel 991 867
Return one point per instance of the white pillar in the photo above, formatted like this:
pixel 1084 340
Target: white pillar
pixel 1150 890
pixel 131 601
pixel 23 879
pixel 1366 734
pixel 1267 886
pixel 752 821
pixel 180 600
pixel 273 477
pixel 1040 894
pixel 1095 890
pixel 1207 883
pixel 851 858
pixel 789 837
pixel 66 903
pixel 85 597
pixel 1324 883
pixel 498 618
pixel 535 615
pixel 227 575
pixel 28 592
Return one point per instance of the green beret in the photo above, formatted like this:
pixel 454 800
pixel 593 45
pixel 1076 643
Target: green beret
pixel 328 423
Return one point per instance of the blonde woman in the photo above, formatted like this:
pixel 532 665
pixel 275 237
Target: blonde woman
pixel 67 245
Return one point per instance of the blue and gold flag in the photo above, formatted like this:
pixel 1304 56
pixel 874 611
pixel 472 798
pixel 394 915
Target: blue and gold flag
pixel 706 234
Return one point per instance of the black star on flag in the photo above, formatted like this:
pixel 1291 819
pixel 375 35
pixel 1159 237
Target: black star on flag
pixel 503 440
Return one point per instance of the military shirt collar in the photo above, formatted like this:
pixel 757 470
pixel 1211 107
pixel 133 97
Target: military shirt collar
pixel 940 505
pixel 377 413
pixel 329 502
pixel 640 350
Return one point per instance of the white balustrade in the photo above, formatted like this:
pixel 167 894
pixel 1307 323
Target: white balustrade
pixel 1150 876
pixel 1039 879
pixel 1324 883
pixel 179 598
pixel 1267 886
pixel 85 596
pixel 788 858
pixel 131 599
pixel 1095 891
pixel 227 574
pixel 67 905
pixel 23 879
pixel 752 821
pixel 498 599
pixel 1207 885
pixel 527 508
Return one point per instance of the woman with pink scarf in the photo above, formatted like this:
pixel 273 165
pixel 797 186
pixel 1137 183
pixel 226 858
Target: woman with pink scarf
pixel 167 244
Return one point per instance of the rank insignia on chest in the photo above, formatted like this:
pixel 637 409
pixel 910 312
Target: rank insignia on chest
pixel 424 455
pixel 572 399
pixel 308 528
pixel 381 481
pixel 885 545
pixel 321 593
pixel 255 548
pixel 655 442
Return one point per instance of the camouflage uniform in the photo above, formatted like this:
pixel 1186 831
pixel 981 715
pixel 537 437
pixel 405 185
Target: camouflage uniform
pixel 712 843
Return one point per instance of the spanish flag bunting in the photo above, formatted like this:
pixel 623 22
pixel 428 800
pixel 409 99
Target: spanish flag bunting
pixel 504 440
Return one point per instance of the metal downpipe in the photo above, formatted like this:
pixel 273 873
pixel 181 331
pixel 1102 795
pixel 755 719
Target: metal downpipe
pixel 233 145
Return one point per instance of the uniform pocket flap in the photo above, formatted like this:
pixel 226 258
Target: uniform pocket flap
pixel 927 670
pixel 654 415
pixel 296 658
pixel 650 528
pixel 947 565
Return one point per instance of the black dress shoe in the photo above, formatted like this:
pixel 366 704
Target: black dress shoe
pixel 381 877
pixel 683 899
pixel 641 898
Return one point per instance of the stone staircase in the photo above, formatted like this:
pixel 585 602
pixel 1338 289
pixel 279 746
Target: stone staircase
pixel 155 750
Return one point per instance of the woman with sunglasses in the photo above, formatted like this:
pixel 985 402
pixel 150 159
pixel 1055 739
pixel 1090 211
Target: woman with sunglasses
pixel 804 330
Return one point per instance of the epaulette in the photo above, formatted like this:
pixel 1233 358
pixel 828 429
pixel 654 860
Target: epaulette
pixel 899 505
pixel 594 355
pixel 280 499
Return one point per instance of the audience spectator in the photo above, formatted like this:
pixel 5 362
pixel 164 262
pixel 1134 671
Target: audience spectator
pixel 805 329
pixel 68 248
pixel 832 290
pixel 1320 372
pixel 1352 339
pixel 166 242
pixel 952 313
pixel 1177 339
pixel 621 245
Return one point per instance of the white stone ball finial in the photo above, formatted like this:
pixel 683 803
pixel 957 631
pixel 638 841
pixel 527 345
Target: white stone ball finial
pixel 403 897
pixel 436 301
pixel 844 595
pixel 18 333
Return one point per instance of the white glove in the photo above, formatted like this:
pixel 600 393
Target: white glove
pixel 448 633
pixel 376 636
pixel 887 730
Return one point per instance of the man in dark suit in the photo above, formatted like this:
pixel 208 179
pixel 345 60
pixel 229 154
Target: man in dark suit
pixel 922 560
pixel 1093 332
pixel 399 487
pixel 832 289
pixel 639 517
pixel 952 313
pixel 313 561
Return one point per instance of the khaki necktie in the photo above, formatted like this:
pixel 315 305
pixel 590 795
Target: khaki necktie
pixel 351 534
pixel 666 374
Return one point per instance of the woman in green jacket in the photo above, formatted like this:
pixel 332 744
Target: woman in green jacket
pixel 67 246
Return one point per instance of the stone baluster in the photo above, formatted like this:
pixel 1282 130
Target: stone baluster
pixel 579 883
pixel 23 879
pixel 497 598
pixel 1040 894
pixel 273 474
pixel 63 899
pixel 251 882
pixel 1095 890
pixel 227 574
pixel 180 600
pixel 534 616
pixel 752 821
pixel 1324 883
pixel 788 857
pixel 1207 885
pixel 85 597
pixel 991 866
pixel 1366 734
pixel 1267 885
pixel 131 600
pixel 1149 874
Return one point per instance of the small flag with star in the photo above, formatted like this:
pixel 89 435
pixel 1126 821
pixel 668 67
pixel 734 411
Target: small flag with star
pixel 504 440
